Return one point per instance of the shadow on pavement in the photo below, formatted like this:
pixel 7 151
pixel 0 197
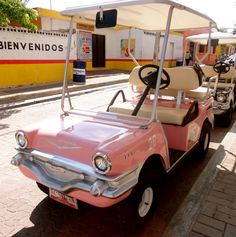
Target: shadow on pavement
pixel 5 114
pixel 54 219
pixel 8 112
pixel 221 130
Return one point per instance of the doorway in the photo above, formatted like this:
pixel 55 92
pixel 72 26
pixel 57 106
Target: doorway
pixel 98 50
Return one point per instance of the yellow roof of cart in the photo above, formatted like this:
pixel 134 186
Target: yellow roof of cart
pixel 150 15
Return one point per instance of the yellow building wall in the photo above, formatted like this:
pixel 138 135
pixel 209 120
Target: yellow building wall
pixel 38 73
pixel 28 74
pixel 126 64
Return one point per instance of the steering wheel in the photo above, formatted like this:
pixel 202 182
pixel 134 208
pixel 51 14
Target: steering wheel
pixel 148 75
pixel 221 67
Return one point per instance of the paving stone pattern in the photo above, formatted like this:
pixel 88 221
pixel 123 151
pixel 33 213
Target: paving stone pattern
pixel 217 215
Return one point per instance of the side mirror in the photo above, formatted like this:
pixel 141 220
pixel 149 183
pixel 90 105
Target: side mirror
pixel 105 19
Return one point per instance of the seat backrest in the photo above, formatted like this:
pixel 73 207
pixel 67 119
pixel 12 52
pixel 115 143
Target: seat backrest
pixel 208 70
pixel 229 74
pixel 134 78
pixel 183 78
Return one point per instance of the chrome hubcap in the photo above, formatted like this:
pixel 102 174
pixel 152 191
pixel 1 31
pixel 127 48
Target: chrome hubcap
pixel 206 141
pixel 146 202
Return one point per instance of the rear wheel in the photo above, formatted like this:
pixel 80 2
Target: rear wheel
pixel 227 117
pixel 204 140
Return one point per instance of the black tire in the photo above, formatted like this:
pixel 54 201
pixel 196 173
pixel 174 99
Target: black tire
pixel 43 188
pixel 142 202
pixel 204 140
pixel 226 118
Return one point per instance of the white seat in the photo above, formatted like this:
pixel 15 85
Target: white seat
pixel 164 114
pixel 186 80
pixel 182 79
pixel 208 70
pixel 200 93
pixel 229 74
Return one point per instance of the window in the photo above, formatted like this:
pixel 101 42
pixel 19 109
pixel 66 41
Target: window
pixel 201 48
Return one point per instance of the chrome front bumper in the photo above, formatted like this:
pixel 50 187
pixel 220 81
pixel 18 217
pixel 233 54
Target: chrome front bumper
pixel 220 108
pixel 66 175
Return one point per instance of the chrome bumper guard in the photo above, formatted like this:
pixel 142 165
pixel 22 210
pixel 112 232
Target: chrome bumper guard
pixel 220 108
pixel 66 175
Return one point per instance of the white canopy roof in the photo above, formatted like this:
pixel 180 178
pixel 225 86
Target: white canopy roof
pixel 150 15
pixel 224 38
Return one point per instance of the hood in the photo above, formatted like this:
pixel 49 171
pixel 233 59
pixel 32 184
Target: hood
pixel 74 137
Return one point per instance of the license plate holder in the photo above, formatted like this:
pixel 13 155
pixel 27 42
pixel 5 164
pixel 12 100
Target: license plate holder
pixel 63 198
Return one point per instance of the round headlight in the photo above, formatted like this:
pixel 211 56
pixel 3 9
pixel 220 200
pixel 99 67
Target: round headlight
pixel 21 140
pixel 221 97
pixel 101 163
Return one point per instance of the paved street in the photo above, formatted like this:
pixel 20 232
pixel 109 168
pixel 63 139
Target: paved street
pixel 26 211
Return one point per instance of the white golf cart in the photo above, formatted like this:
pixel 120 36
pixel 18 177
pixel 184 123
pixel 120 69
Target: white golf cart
pixel 102 158
pixel 222 77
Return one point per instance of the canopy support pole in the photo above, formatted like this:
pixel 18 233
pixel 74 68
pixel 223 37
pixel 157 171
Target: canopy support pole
pixel 209 46
pixel 156 48
pixel 130 54
pixel 65 84
pixel 162 60
pixel 185 49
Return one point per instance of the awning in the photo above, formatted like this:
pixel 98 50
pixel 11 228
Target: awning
pixel 149 15
pixel 224 38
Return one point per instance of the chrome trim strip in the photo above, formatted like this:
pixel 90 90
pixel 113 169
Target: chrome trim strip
pixel 66 175
pixel 181 158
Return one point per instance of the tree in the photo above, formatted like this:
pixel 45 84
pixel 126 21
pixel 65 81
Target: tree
pixel 15 10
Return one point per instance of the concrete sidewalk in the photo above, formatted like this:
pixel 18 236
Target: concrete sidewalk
pixel 25 95
pixel 209 210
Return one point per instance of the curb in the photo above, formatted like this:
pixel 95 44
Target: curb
pixel 28 98
pixel 183 219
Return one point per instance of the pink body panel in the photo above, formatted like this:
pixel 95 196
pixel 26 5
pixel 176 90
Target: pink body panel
pixel 79 138
pixel 183 138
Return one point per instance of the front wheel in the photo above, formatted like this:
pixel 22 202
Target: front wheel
pixel 146 201
pixel 143 199
pixel 43 188
pixel 227 117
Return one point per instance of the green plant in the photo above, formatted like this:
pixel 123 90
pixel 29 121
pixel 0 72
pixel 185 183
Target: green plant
pixel 15 10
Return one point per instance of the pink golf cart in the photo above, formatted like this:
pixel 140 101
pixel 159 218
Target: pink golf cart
pixel 102 158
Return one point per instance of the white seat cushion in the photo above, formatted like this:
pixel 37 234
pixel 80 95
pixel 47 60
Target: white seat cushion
pixel 164 114
pixel 209 72
pixel 199 93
